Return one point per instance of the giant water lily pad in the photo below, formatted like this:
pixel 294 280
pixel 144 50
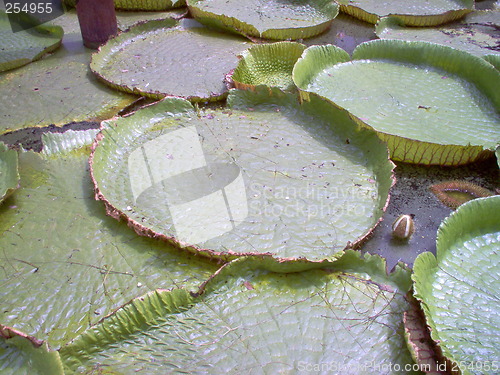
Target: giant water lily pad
pixel 9 176
pixel 64 263
pixel 247 319
pixel 265 175
pixel 413 13
pixel 477 33
pixel 21 48
pixel 459 286
pixel 275 19
pixel 157 59
pixel 432 104
pixel 268 64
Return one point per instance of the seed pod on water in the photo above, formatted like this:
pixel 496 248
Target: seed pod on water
pixel 403 227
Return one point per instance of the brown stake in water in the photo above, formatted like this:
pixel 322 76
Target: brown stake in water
pixel 97 21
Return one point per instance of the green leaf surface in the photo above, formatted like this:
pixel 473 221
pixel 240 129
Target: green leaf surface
pixel 9 176
pixel 459 287
pixel 22 47
pixel 268 64
pixel 274 19
pixel 24 355
pixel 477 33
pixel 432 104
pixel 413 13
pixel 266 175
pixel 251 320
pixel 190 62
pixel 64 264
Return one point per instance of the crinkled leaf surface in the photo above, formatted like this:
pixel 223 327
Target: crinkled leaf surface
pixel 64 264
pixel 268 64
pixel 432 104
pixel 267 175
pixel 477 33
pixel 413 13
pixel 21 48
pixel 459 287
pixel 270 19
pixel 252 321
pixel 19 356
pixel 157 59
pixel 9 176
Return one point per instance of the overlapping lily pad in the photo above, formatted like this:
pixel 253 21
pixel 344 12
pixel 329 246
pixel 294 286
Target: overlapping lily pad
pixel 266 175
pixel 9 176
pixel 268 64
pixel 412 13
pixel 432 104
pixel 459 287
pixel 21 48
pixel 158 59
pixel 64 263
pixel 273 19
pixel 477 33
pixel 246 319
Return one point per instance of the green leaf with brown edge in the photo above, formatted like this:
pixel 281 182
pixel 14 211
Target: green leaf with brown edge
pixel 476 33
pixel 413 13
pixel 458 288
pixel 266 175
pixel 23 354
pixel 65 264
pixel 247 319
pixel 9 175
pixel 438 105
pixel 274 19
pixel 191 63
pixel 22 47
pixel 268 64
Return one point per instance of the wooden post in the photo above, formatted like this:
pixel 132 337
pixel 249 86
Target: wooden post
pixel 97 20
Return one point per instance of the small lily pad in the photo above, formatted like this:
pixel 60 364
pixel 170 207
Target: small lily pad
pixel 190 62
pixel 432 104
pixel 273 19
pixel 21 48
pixel 458 288
pixel 265 176
pixel 268 64
pixel 413 13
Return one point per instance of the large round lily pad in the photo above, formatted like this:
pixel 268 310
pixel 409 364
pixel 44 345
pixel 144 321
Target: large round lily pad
pixel 22 47
pixel 477 33
pixel 249 320
pixel 157 59
pixel 432 104
pixel 266 175
pixel 411 12
pixel 459 286
pixel 269 19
